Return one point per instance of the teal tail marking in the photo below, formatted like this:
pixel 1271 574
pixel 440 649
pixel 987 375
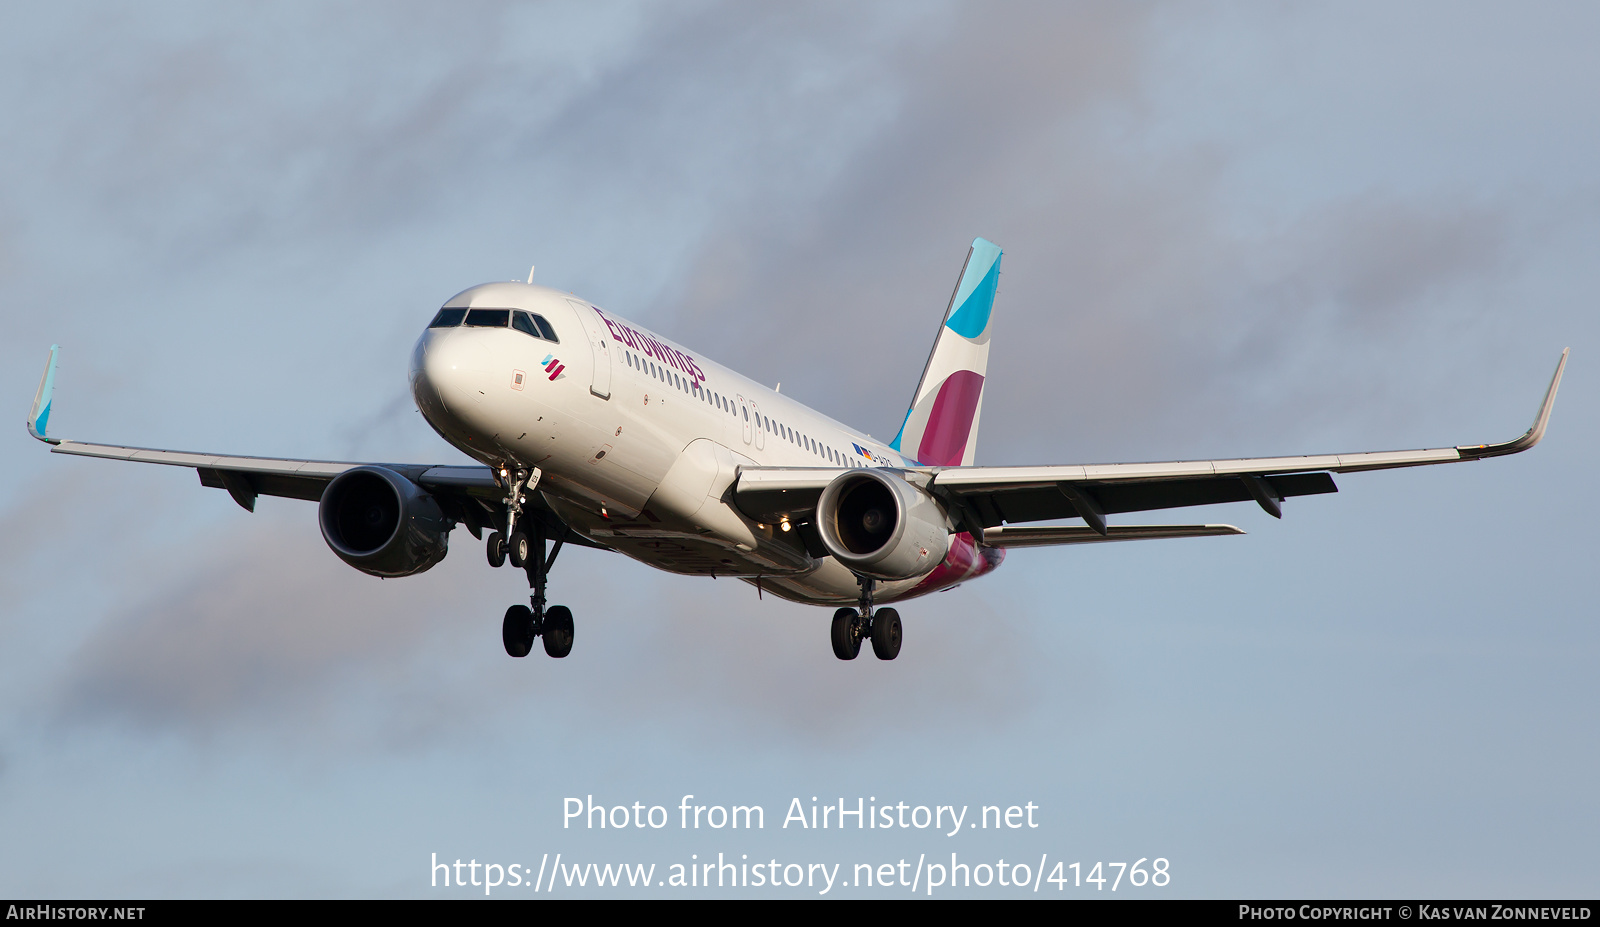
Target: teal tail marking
pixel 39 418
pixel 975 295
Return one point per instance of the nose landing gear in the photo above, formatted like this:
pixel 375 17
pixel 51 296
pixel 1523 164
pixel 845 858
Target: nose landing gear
pixel 851 625
pixel 525 549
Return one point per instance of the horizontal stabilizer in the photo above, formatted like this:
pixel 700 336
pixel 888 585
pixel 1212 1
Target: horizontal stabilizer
pixel 1050 535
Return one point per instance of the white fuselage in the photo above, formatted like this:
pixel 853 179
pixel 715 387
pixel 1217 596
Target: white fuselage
pixel 639 440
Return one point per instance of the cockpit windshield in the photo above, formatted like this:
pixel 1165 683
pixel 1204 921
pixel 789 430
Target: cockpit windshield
pixel 528 323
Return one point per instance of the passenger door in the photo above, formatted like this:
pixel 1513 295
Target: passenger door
pixel 599 345
pixel 761 433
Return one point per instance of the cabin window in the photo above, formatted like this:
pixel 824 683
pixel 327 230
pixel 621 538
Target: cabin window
pixel 448 318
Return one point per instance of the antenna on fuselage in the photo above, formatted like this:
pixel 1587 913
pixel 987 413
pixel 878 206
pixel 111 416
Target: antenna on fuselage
pixel 530 272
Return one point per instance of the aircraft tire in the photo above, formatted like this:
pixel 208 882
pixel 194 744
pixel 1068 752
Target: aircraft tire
pixel 558 631
pixel 516 632
pixel 517 549
pixel 497 550
pixel 886 634
pixel 846 644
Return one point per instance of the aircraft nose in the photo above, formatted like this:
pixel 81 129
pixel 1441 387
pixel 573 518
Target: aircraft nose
pixel 448 372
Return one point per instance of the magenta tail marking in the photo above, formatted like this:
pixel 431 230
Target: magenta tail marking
pixel 945 440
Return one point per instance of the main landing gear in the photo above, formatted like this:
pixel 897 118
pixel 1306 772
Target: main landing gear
pixel 881 625
pixel 525 549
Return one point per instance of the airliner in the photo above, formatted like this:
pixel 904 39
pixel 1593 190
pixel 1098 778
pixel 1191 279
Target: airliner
pixel 596 431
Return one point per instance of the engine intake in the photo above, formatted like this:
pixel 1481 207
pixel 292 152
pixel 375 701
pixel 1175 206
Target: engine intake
pixel 879 525
pixel 382 523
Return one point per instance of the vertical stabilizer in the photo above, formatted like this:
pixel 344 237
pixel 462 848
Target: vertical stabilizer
pixel 941 427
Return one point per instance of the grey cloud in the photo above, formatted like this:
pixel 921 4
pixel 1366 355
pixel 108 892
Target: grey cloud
pixel 837 205
pixel 1133 311
pixel 717 661
pixel 266 619
pixel 39 504
pixel 1126 310
pixel 256 129
pixel 263 629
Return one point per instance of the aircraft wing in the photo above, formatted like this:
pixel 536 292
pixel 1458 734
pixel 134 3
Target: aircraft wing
pixel 468 494
pixel 980 498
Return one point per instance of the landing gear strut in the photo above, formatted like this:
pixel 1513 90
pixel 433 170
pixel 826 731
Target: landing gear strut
pixel 525 548
pixel 851 625
pixel 518 483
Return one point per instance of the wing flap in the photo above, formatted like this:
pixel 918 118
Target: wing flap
pixel 1006 504
pixel 1052 535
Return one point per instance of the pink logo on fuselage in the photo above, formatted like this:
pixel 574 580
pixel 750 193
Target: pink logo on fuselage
pixel 965 560
pixel 645 344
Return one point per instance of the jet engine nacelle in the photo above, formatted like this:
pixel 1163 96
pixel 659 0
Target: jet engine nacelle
pixel 382 523
pixel 879 525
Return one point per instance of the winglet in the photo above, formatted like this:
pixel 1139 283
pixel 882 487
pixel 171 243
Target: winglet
pixel 1533 435
pixel 39 418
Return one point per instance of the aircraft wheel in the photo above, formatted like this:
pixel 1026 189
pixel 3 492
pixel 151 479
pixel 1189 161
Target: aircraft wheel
pixel 558 631
pixel 497 550
pixel 518 548
pixel 846 643
pixel 886 633
pixel 516 632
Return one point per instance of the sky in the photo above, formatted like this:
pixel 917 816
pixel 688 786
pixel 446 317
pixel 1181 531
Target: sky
pixel 1229 230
